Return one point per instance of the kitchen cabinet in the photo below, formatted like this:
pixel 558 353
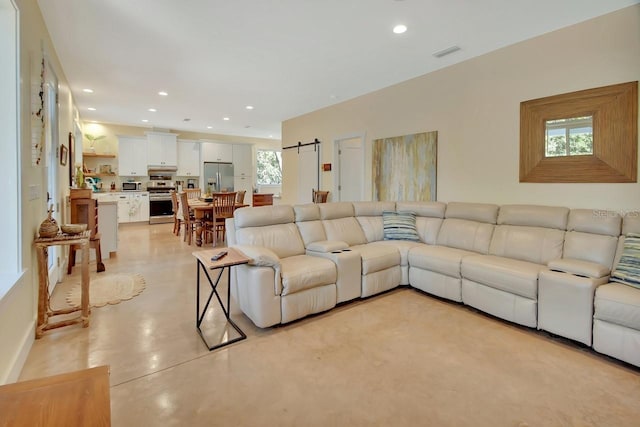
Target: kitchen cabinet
pixel 188 158
pixel 162 149
pixel 242 160
pixel 133 207
pixel 108 214
pixel 216 152
pixel 132 156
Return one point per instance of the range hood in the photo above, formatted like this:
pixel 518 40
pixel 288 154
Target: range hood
pixel 161 168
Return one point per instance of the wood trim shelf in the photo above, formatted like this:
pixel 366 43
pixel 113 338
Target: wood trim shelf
pixel 102 156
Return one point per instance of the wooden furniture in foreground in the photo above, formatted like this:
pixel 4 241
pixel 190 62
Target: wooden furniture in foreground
pixel 84 210
pixel 44 307
pixel 205 263
pixel 78 398
pixel 260 199
pixel 319 196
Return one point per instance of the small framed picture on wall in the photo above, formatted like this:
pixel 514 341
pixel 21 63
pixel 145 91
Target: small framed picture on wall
pixel 64 155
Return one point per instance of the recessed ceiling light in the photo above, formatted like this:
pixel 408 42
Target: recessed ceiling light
pixel 226 119
pixel 87 90
pixel 91 109
pixel 153 110
pixel 247 126
pixel 399 29
pixel 186 119
pixel 145 120
pixel 249 107
pixel 163 93
pixel 209 127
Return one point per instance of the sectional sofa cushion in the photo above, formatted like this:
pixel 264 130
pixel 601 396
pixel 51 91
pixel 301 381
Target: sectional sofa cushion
pixel 439 259
pixel 618 304
pixel 627 270
pixel 506 274
pixel 283 239
pixel 533 244
pixel 465 234
pixel 369 216
pixel 305 272
pixel 400 226
pixel 377 257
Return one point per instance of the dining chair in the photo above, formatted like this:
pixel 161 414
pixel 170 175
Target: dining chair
pixel 319 196
pixel 193 193
pixel 187 218
pixel 223 207
pixel 177 213
pixel 240 197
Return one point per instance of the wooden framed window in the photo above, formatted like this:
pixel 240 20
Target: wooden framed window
pixel 585 136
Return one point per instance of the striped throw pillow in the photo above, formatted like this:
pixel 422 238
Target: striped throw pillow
pixel 628 269
pixel 400 226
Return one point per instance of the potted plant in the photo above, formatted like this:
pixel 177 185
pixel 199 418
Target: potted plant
pixel 92 139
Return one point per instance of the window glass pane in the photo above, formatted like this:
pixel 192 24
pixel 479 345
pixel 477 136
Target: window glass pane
pixel 578 131
pixel 269 167
pixel 556 144
pixel 580 141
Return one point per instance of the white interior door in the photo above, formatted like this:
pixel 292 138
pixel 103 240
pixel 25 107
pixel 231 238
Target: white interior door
pixel 349 178
pixel 307 172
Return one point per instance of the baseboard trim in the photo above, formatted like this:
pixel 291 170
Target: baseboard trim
pixel 21 355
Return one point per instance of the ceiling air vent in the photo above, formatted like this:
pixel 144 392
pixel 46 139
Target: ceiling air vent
pixel 446 51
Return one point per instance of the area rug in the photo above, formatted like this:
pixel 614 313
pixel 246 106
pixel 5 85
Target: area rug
pixel 109 289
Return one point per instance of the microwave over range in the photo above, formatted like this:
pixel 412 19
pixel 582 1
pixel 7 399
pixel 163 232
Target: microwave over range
pixel 132 186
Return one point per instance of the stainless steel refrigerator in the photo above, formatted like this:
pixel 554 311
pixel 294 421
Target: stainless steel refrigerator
pixel 218 177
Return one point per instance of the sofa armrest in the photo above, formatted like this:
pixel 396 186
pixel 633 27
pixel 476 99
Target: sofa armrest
pixel 579 268
pixel 264 257
pixel 259 255
pixel 325 246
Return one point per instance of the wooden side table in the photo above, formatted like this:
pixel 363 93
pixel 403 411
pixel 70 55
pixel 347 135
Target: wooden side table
pixel 44 307
pixel 205 263
pixel 78 398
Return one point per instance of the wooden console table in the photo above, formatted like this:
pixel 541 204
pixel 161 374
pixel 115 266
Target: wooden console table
pixel 78 398
pixel 44 306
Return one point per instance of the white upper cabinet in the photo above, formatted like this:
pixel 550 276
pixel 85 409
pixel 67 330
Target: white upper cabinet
pixel 242 160
pixel 162 149
pixel 132 156
pixel 216 152
pixel 188 158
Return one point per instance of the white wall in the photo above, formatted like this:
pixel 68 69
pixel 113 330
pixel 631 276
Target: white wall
pixel 474 106
pixel 18 307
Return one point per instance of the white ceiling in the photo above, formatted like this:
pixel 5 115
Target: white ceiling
pixel 284 57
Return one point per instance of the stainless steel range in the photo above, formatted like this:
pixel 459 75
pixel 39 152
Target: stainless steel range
pixel 160 206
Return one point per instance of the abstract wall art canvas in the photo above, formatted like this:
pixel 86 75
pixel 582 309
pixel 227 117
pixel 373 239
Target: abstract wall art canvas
pixel 404 167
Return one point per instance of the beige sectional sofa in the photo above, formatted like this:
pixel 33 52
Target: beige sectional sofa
pixel 539 266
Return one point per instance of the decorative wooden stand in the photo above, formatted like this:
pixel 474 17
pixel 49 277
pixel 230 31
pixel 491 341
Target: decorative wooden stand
pixel 44 307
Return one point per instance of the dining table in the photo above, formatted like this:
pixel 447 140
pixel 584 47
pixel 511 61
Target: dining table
pixel 203 209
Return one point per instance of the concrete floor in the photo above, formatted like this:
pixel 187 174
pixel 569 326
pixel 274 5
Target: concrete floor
pixel 398 359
